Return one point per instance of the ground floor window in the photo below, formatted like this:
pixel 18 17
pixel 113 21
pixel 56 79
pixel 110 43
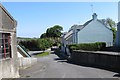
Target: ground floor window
pixel 5 45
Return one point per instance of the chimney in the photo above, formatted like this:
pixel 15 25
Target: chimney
pixel 94 16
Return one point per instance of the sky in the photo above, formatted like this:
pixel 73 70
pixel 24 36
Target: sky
pixel 33 18
pixel 59 0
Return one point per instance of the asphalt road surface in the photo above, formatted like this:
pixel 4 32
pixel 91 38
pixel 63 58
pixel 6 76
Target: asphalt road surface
pixel 52 67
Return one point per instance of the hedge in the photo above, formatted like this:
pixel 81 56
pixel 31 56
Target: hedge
pixel 37 44
pixel 88 46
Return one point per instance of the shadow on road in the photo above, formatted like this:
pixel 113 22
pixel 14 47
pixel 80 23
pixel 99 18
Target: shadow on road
pixel 59 59
pixel 63 58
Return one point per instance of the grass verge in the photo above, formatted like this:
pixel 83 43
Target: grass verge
pixel 42 54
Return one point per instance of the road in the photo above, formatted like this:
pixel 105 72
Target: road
pixel 32 53
pixel 53 67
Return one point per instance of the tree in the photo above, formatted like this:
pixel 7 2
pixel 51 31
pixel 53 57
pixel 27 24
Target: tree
pixel 58 30
pixel 49 32
pixel 44 43
pixel 43 35
pixel 54 31
pixel 114 33
pixel 112 24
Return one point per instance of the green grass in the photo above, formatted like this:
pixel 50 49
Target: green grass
pixel 42 54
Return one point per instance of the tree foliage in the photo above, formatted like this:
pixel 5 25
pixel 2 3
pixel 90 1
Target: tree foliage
pixel 43 35
pixel 114 33
pixel 112 24
pixel 44 43
pixel 37 44
pixel 53 32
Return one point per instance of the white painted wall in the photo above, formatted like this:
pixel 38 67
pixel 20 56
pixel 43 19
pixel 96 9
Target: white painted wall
pixel 95 32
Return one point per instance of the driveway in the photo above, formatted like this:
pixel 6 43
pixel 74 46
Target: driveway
pixel 53 67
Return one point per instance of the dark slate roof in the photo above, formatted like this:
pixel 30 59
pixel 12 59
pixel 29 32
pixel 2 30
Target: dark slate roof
pixel 87 23
pixel 76 27
pixel 101 21
pixel 80 27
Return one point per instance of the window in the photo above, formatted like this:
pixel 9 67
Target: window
pixel 5 45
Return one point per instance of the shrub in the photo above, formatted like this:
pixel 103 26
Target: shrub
pixel 73 46
pixel 43 44
pixel 30 44
pixel 88 46
pixel 37 44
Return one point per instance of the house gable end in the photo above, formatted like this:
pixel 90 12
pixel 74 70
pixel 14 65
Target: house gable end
pixel 95 32
pixel 104 25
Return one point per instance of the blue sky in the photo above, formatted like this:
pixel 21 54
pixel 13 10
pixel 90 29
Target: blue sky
pixel 35 17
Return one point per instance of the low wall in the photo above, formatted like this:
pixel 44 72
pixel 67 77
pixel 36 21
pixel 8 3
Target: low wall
pixel 9 68
pixel 26 62
pixel 103 59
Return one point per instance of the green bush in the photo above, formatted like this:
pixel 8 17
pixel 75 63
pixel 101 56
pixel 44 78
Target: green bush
pixel 73 46
pixel 44 43
pixel 30 44
pixel 88 46
pixel 37 44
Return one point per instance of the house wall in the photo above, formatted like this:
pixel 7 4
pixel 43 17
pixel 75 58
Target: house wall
pixel 7 20
pixel 63 42
pixel 95 32
pixel 9 67
pixel 67 39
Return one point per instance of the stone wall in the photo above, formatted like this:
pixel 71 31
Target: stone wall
pixel 101 59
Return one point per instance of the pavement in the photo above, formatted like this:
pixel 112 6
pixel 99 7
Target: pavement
pixel 53 67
